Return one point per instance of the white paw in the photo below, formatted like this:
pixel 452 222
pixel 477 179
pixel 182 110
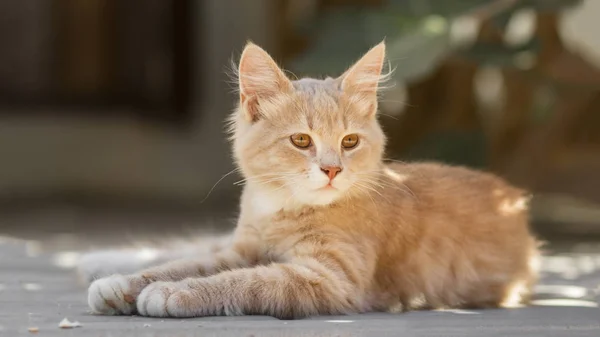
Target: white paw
pixel 168 299
pixel 113 295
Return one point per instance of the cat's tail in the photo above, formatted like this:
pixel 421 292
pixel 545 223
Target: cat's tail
pixel 128 260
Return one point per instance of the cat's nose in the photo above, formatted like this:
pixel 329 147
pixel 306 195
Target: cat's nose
pixel 331 171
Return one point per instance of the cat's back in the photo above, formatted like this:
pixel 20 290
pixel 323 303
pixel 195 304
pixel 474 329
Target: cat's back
pixel 440 186
pixel 457 237
pixel 448 176
pixel 431 205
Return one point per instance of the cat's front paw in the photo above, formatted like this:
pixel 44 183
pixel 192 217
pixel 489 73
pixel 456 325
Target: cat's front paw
pixel 115 295
pixel 169 299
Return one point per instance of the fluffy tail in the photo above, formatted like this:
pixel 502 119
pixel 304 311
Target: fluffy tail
pixel 98 264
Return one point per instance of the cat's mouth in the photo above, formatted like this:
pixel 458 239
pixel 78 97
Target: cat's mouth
pixel 328 187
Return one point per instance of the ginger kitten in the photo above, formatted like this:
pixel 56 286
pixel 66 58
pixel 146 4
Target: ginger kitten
pixel 327 228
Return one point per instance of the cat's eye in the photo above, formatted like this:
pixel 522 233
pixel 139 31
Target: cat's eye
pixel 301 140
pixel 350 141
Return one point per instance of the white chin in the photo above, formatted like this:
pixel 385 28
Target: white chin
pixel 319 197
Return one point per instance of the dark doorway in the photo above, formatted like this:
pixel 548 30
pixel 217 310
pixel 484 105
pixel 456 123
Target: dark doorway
pixel 97 55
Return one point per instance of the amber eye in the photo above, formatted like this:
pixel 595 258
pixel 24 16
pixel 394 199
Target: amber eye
pixel 301 140
pixel 350 141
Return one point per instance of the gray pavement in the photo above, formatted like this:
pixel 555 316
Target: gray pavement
pixel 37 291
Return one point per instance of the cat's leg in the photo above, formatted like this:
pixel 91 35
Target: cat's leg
pixel 117 294
pixel 325 283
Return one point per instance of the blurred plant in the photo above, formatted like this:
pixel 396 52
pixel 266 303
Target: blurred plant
pixel 546 100
pixel 418 34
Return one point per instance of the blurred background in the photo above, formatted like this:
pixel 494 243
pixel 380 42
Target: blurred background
pixel 111 111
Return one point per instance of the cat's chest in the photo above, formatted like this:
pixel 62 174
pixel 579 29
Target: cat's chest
pixel 273 237
pixel 265 207
pixel 276 226
pixel 279 230
pixel 261 206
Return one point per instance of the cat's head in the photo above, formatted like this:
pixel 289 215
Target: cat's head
pixel 309 141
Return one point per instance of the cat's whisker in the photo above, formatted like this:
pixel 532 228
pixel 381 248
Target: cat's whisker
pixel 258 178
pixel 373 202
pixel 291 196
pixel 368 187
pixel 218 181
pixel 367 192
pixel 271 179
pixel 374 183
pixel 287 184
pixel 394 160
pixel 389 116
pixel 261 182
pixel 400 186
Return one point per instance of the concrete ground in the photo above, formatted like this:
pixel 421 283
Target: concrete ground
pixel 38 290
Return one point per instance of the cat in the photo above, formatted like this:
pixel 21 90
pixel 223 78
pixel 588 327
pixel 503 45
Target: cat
pixel 325 227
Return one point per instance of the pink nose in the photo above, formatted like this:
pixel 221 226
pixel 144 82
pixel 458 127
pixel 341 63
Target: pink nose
pixel 331 171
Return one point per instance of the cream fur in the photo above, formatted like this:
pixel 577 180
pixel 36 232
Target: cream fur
pixel 380 238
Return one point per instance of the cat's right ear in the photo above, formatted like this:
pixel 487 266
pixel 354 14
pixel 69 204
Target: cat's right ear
pixel 363 78
pixel 260 78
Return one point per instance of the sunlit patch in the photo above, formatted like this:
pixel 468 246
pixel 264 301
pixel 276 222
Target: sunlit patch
pixel 515 295
pixel 435 24
pixel 498 192
pixel 520 28
pixel 560 265
pixel 339 321
pixel 535 263
pixel 561 290
pixel 489 87
pixel 459 311
pixel 395 175
pixel 586 264
pixel 571 267
pixel 418 301
pixel 396 308
pixel 464 29
pixel 147 254
pixel 511 207
pixel 33 248
pixel 66 260
pixel 10 239
pixel 565 303
pixel 66 324
pixel 32 286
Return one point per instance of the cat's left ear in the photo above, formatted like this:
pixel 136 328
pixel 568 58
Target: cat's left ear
pixel 260 78
pixel 363 78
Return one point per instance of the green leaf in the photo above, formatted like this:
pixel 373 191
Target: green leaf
pixel 551 5
pixel 494 54
pixel 453 147
pixel 444 8
pixel 417 34
pixel 416 54
pixel 415 45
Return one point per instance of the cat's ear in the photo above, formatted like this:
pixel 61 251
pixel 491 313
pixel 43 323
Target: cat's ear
pixel 259 78
pixel 364 76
